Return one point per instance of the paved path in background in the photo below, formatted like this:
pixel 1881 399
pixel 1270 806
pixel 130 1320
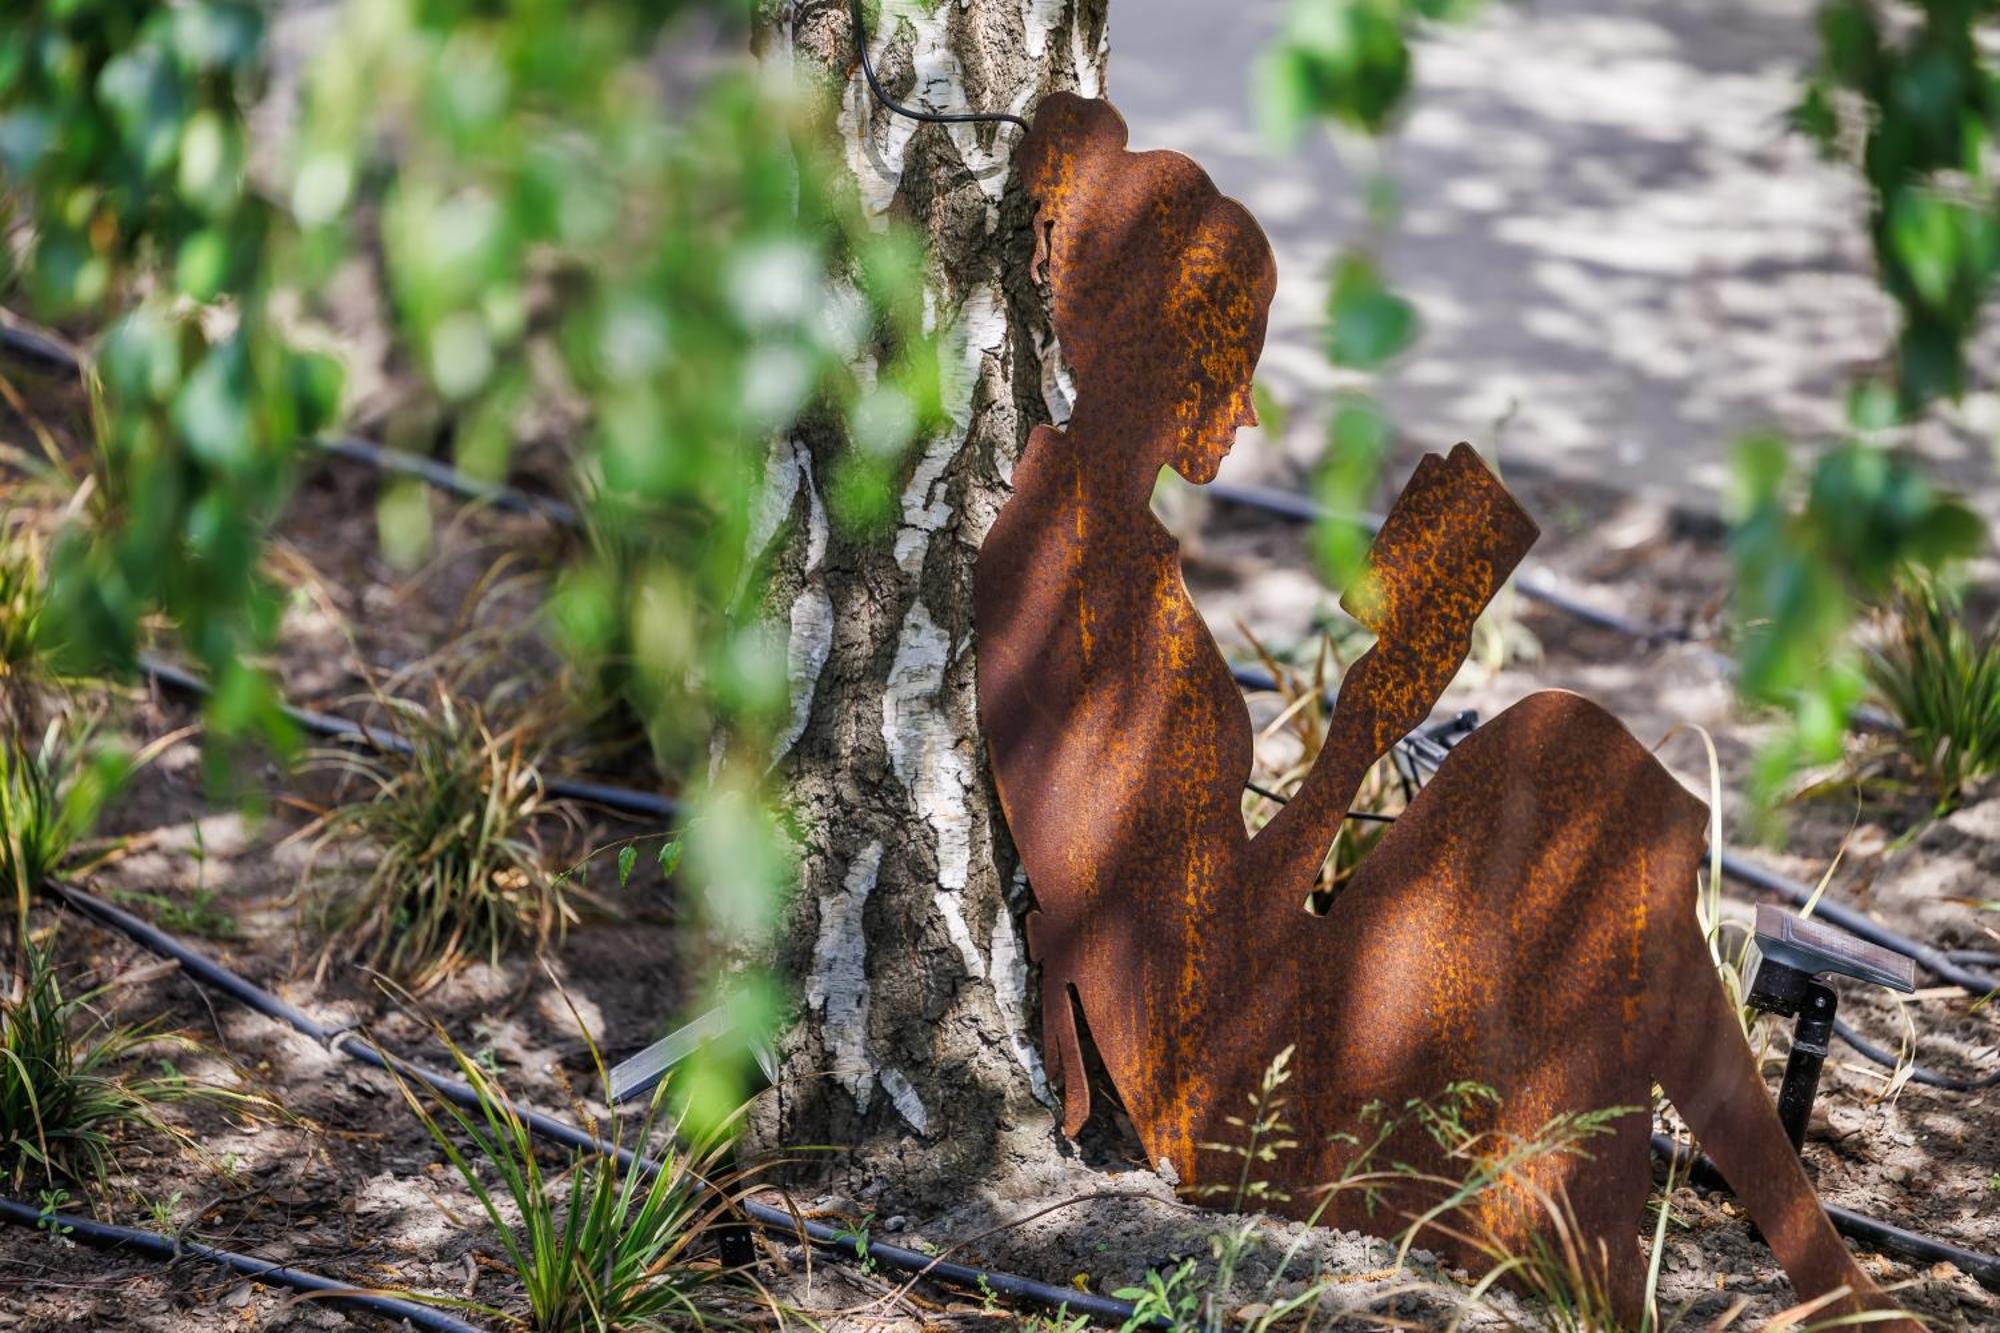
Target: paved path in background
pixel 1608 229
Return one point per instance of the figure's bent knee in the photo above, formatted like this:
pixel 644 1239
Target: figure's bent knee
pixel 1560 723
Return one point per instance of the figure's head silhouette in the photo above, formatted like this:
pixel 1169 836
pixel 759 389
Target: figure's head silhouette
pixel 1161 285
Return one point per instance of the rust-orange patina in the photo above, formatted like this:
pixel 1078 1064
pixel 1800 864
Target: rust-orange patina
pixel 1528 924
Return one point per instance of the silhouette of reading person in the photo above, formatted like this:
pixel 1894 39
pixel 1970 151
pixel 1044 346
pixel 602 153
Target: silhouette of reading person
pixel 1527 924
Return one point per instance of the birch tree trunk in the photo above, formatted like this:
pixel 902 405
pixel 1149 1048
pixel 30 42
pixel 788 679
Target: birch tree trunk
pixel 916 1022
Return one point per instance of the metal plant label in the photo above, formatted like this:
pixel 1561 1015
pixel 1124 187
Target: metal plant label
pixel 1528 923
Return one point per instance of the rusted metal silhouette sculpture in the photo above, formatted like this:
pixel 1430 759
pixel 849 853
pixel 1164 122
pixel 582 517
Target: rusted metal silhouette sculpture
pixel 1527 924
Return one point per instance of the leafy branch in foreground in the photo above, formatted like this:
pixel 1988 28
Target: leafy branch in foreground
pixel 126 140
pixel 1809 553
pixel 1908 99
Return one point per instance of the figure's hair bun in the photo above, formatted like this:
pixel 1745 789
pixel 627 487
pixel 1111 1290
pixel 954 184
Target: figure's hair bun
pixel 1147 262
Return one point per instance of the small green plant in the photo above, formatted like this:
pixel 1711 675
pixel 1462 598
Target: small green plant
pixel 1941 682
pixel 45 1220
pixel 162 1210
pixel 602 1245
pixel 856 1234
pixel 200 913
pixel 50 796
pixel 454 828
pixel 1265 1136
pixel 64 1097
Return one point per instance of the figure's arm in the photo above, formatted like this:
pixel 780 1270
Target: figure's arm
pixel 1443 552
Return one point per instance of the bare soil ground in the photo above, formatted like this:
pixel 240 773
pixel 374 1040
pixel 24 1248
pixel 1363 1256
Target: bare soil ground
pixel 343 1181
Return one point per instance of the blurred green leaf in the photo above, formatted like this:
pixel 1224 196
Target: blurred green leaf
pixel 1369 324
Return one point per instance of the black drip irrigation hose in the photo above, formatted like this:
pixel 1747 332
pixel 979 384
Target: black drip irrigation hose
pixel 640 804
pixel 208 972
pixel 171 1248
pixel 1873 1232
pixel 39 351
pixel 1934 961
pixel 1532 581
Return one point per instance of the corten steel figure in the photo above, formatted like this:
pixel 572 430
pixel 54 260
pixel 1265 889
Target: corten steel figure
pixel 1528 923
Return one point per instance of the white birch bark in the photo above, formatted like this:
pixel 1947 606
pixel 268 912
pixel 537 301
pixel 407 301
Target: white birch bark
pixel 916 1022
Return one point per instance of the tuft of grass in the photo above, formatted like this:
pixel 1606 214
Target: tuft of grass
pixel 23 603
pixel 64 1099
pixel 1941 682
pixel 458 865
pixel 50 796
pixel 599 1245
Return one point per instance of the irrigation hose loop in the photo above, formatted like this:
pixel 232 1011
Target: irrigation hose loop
pixel 172 1248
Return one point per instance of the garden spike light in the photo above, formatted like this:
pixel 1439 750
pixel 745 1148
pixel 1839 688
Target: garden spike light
pixel 1787 957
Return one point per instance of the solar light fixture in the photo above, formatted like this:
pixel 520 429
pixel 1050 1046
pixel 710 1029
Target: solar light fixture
pixel 1788 956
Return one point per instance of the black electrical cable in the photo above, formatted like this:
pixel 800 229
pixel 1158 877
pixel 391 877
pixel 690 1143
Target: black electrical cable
pixel 1930 1078
pixel 171 1248
pixel 1884 1236
pixel 640 804
pixel 929 117
pixel 210 973
pixel 1365 816
pixel 449 479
